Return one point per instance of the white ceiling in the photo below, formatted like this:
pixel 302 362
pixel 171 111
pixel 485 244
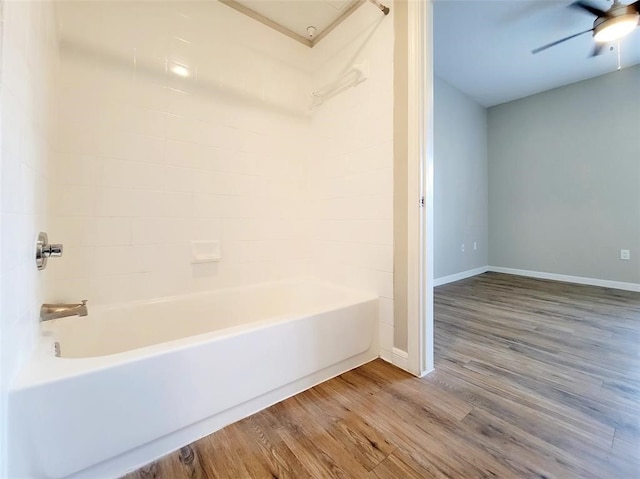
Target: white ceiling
pixel 299 14
pixel 484 47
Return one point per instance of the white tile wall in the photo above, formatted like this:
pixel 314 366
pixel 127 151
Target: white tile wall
pixel 149 161
pixel 28 42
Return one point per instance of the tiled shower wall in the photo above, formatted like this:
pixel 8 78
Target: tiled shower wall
pixel 27 63
pixel 148 161
pixel 352 168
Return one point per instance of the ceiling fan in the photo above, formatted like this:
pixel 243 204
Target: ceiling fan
pixel 610 25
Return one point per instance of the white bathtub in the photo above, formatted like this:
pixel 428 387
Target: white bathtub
pixel 138 381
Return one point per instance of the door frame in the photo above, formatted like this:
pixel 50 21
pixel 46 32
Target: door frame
pixel 420 315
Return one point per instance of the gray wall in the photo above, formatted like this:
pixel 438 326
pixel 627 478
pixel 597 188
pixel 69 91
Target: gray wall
pixel 460 181
pixel 564 179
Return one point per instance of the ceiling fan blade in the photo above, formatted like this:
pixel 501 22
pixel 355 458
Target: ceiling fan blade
pixel 589 8
pixel 597 49
pixel 549 45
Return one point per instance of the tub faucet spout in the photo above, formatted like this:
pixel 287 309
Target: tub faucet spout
pixel 54 311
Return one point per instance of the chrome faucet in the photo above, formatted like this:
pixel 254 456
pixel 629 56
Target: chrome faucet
pixel 54 311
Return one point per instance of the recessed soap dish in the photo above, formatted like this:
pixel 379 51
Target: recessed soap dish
pixel 205 251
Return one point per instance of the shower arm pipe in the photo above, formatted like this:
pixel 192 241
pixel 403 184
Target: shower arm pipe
pixel 381 6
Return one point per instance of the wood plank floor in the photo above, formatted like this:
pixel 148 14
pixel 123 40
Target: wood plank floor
pixel 533 379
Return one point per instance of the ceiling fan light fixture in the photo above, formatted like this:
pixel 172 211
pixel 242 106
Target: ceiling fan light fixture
pixel 612 29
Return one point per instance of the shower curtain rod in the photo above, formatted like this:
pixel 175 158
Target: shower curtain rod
pixel 310 42
pixel 381 6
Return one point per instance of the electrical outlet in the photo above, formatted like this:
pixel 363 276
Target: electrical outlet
pixel 462 248
pixel 625 254
pixel 475 246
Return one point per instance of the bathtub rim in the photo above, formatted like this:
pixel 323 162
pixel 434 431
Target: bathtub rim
pixel 104 308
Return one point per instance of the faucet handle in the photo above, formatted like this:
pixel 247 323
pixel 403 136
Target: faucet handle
pixel 52 250
pixel 44 250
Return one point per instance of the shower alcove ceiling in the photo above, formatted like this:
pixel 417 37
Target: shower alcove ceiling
pixel 293 18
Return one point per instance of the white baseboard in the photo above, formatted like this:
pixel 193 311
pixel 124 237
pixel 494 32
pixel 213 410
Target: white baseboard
pixel 567 278
pixel 605 283
pixel 400 358
pixel 426 373
pixel 386 356
pixel 397 357
pixel 458 276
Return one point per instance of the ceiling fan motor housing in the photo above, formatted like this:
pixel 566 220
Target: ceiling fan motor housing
pixel 618 14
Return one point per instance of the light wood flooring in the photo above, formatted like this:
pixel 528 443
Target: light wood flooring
pixel 533 379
